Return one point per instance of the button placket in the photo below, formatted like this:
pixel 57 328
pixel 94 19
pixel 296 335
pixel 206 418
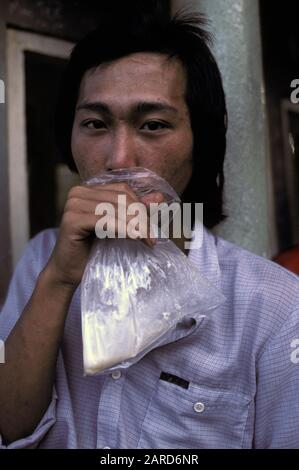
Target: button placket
pixel 108 412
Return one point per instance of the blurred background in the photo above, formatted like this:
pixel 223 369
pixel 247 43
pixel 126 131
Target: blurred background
pixel 256 43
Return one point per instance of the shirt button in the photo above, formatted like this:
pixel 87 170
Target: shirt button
pixel 116 374
pixel 199 407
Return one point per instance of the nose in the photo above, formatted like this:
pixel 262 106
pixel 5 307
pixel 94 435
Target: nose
pixel 122 150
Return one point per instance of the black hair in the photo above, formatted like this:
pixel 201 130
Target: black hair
pixel 184 37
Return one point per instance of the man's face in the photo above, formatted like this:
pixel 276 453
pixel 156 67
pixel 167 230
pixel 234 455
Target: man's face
pixel 132 112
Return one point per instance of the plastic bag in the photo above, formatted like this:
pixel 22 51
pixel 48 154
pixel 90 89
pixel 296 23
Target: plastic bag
pixel 133 295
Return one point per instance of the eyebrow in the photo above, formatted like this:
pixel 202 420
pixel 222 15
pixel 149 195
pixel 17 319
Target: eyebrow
pixel 140 108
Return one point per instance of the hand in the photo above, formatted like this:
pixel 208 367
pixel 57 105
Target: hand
pixel 77 230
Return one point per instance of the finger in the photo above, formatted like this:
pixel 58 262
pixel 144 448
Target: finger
pixel 154 197
pixel 117 187
pixel 76 200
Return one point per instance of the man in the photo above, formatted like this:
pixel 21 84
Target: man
pixel 149 97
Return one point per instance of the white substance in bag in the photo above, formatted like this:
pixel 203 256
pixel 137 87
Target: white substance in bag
pixel 131 294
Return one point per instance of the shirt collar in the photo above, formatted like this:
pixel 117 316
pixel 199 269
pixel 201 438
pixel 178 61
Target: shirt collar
pixel 205 257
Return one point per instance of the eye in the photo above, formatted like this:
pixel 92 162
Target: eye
pixel 154 126
pixel 94 124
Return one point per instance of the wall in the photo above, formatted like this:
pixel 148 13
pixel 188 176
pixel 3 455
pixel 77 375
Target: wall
pixel 58 19
pixel 248 189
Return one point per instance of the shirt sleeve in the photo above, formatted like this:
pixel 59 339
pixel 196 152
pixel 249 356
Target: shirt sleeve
pixel 277 397
pixel 20 290
pixel 32 441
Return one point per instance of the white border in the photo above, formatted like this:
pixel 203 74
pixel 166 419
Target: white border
pixel 17 43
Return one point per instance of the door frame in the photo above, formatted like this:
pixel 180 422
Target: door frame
pixel 18 42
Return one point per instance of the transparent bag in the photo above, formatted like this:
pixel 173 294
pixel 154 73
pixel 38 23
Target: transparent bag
pixel 132 295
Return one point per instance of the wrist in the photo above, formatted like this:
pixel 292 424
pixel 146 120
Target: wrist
pixel 48 278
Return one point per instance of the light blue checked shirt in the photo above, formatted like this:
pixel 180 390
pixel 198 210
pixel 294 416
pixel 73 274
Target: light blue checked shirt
pixel 237 370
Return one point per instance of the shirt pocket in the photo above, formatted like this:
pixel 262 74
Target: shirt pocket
pixel 195 418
